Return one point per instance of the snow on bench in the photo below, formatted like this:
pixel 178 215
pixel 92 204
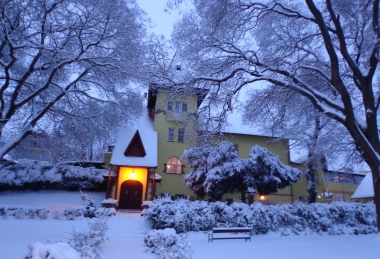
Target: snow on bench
pixel 230 233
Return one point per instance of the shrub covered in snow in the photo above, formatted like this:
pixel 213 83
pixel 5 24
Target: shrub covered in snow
pixel 336 218
pixel 64 177
pixel 81 245
pixel 166 244
pixel 58 250
pixel 72 213
pixel 23 212
pixel 26 212
pixel 88 242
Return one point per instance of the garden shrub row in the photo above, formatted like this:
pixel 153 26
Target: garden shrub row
pixel 335 218
pixel 58 177
pixel 25 212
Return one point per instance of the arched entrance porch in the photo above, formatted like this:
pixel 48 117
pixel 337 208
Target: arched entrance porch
pixel 131 195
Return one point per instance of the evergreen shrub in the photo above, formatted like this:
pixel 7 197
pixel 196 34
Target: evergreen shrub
pixel 335 218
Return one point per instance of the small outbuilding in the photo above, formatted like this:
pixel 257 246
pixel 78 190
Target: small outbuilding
pixel 365 189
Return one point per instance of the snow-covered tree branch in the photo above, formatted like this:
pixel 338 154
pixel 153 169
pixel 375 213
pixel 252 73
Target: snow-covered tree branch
pixel 58 55
pixel 326 51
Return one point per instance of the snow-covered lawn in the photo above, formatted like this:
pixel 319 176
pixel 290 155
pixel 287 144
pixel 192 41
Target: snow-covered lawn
pixel 126 233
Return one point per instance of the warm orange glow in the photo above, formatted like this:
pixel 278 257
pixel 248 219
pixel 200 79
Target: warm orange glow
pixel 133 175
pixel 262 197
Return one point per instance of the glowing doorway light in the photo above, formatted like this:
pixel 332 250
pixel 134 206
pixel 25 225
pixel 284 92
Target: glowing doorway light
pixel 133 175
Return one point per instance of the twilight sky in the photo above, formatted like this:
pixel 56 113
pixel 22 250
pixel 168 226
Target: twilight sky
pixel 161 20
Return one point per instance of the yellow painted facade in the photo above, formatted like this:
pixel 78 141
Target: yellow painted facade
pixel 173 183
pixel 168 147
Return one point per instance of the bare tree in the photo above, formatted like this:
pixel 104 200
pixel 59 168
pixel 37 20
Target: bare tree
pixel 327 51
pixel 58 55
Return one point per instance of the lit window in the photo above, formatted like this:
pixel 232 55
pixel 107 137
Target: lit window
pixel 184 107
pixel 173 166
pixel 171 134
pixel 177 106
pixel 170 106
pixel 181 135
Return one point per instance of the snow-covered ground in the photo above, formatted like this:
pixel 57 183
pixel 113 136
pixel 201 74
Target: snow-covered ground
pixel 126 233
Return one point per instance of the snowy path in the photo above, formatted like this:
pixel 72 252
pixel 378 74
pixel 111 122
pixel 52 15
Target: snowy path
pixel 126 237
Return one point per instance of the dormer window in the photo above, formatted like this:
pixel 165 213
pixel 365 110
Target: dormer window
pixel 178 67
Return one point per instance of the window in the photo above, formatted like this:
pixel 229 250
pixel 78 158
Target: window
pixel 173 166
pixel 171 134
pixel 184 107
pixel 181 135
pixel 170 106
pixel 177 107
pixel 338 177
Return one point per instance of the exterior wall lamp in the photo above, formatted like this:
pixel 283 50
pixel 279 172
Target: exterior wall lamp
pixel 133 175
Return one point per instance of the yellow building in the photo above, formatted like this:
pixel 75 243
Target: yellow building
pixel 146 160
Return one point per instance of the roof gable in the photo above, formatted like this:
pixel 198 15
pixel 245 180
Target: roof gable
pixel 135 147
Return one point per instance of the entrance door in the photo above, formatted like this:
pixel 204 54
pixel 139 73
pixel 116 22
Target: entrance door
pixel 131 195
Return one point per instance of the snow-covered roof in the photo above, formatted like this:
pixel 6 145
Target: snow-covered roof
pixel 144 126
pixel 236 126
pixel 299 155
pixel 365 188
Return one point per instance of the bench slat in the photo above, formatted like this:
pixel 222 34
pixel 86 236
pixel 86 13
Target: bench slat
pixel 236 230
pixel 231 238
pixel 231 231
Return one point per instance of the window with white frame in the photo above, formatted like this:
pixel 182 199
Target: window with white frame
pixel 173 166
pixel 171 134
pixel 184 107
pixel 181 135
pixel 170 106
pixel 177 104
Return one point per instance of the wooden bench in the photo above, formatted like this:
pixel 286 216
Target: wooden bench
pixel 230 233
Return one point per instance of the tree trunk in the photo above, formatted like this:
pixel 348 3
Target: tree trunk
pixel 376 188
pixel 311 161
pixel 310 177
pixel 243 197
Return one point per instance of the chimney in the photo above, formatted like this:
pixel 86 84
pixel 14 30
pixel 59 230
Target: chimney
pixel 110 148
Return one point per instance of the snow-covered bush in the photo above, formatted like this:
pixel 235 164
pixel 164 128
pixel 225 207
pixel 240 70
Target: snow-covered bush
pixel 166 244
pixel 58 250
pixel 3 213
pixel 178 215
pixel 72 213
pixel 88 242
pixel 66 177
pixel 90 209
pixel 163 237
pixel 336 218
pixel 23 212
